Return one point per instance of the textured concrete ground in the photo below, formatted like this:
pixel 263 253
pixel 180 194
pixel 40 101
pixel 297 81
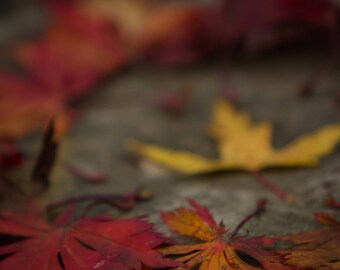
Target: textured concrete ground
pixel 267 88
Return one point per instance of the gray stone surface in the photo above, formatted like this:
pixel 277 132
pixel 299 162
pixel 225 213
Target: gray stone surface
pixel 267 88
pixel 16 23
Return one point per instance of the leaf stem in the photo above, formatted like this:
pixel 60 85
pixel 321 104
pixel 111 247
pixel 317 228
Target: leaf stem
pixel 121 201
pixel 264 181
pixel 260 208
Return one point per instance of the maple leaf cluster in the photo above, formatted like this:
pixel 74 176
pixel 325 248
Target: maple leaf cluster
pixel 29 239
pixel 32 239
pixel 106 243
pixel 103 242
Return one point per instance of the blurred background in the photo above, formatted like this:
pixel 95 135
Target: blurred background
pixel 146 69
pixel 59 50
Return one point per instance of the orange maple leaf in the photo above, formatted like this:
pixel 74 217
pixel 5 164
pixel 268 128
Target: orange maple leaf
pixel 318 249
pixel 220 249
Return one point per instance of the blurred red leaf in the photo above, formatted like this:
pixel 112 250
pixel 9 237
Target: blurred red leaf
pixel 24 105
pixel 61 65
pixel 318 249
pixel 74 53
pixel 10 156
pixel 173 34
pixel 174 103
pixel 87 175
pixel 332 203
pixel 89 243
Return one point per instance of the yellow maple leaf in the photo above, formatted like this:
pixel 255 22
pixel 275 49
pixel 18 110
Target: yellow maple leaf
pixel 243 145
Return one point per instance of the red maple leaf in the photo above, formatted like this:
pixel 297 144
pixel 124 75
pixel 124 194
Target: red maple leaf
pixel 25 105
pixel 73 54
pixel 69 58
pixel 88 243
pixel 219 250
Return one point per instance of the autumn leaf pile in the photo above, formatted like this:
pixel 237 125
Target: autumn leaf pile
pixel 89 40
pixel 106 243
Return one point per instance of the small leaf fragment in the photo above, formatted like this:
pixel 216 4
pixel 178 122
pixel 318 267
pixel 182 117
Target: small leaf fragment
pixel 121 201
pixel 332 203
pixel 49 149
pixel 87 175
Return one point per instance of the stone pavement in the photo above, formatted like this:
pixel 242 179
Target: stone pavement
pixel 267 87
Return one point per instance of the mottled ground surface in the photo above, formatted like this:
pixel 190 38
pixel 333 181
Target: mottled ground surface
pixel 267 88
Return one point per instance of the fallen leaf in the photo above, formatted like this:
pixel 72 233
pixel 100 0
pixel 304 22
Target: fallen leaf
pixel 220 249
pixel 332 203
pixel 129 15
pixel 49 82
pixel 86 174
pixel 88 243
pixel 175 35
pixel 243 145
pixel 319 249
pixel 174 103
pixel 48 153
pixel 34 105
pixel 144 19
pixel 10 156
pixel 179 34
pixel 120 201
pixel 92 49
